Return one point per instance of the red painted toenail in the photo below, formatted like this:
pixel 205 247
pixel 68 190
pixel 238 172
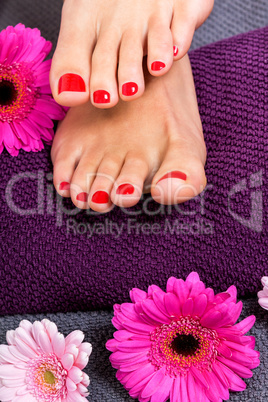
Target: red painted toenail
pixel 125 189
pixel 174 175
pixel 101 96
pixel 64 185
pixel 175 50
pixel 157 65
pixel 129 88
pixel 71 83
pixel 82 197
pixel 100 197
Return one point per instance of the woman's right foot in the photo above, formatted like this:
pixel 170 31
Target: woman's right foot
pixel 107 157
pixel 102 43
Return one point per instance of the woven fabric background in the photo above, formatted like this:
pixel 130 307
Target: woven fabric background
pixel 228 18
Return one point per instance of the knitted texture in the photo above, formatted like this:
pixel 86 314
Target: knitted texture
pixel 49 261
pixel 98 328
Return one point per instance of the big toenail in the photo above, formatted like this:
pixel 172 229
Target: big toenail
pixel 71 83
pixel 129 88
pixel 175 50
pixel 100 197
pixel 125 189
pixel 82 197
pixel 101 96
pixel 174 175
pixel 157 65
pixel 64 186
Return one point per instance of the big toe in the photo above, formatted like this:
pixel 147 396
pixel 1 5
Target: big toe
pixel 181 175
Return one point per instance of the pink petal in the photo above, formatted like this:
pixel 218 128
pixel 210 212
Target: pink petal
pixel 235 382
pixel 41 119
pixel 172 304
pixel 197 288
pixel 176 390
pixel 211 319
pixel 7 135
pixel 6 355
pixel 138 376
pixel 24 349
pixel 72 349
pixel 151 310
pixel 127 346
pixel 75 337
pixel 263 302
pixel 121 357
pixel 232 291
pixel 8 371
pixel 236 367
pixel 67 361
pixel 181 290
pixel 75 374
pixel 192 387
pixel 58 344
pixel 112 345
pixel 71 386
pixel 184 391
pixel 154 289
pixel 159 300
pixel 86 347
pixel 154 383
pixel 82 360
pixel 26 337
pixel 132 365
pixel 224 350
pixel 241 348
pixel 192 278
pixel 199 376
pixel 212 390
pixel 170 284
pixel 137 327
pixel 187 308
pixel 44 342
pixel 162 394
pixel 7 394
pixel 137 295
pixel 51 108
pixel 200 305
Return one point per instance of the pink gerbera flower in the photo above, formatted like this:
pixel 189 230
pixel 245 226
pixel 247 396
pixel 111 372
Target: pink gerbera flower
pixel 26 105
pixel 263 294
pixel 40 365
pixel 182 344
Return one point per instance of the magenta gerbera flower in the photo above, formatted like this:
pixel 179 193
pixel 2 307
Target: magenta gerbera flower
pixel 40 365
pixel 182 344
pixel 26 104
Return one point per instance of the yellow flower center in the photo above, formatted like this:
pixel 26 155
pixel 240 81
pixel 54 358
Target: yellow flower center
pixel 49 377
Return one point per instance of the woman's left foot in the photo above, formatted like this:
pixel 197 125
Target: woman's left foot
pixel 153 144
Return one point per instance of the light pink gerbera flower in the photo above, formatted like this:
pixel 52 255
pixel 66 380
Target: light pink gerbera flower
pixel 40 365
pixel 263 294
pixel 26 104
pixel 182 344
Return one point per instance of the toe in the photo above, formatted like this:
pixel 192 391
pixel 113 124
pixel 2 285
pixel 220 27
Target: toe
pixel 99 196
pixel 130 72
pixel 160 44
pixel 103 83
pixel 69 76
pixel 183 27
pixel 63 168
pixel 83 177
pixel 181 175
pixel 128 188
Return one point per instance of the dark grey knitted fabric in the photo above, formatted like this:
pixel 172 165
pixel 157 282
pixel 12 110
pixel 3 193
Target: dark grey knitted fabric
pixel 98 329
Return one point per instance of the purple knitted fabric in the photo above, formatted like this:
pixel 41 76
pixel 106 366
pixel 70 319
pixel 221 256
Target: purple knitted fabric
pixel 222 234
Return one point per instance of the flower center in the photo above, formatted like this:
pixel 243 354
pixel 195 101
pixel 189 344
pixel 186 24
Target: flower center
pixel 18 92
pixel 185 345
pixel 181 345
pixel 8 93
pixel 49 377
pixel 46 378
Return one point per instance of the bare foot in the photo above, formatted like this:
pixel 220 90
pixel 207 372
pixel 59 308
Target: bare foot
pixel 96 36
pixel 155 143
